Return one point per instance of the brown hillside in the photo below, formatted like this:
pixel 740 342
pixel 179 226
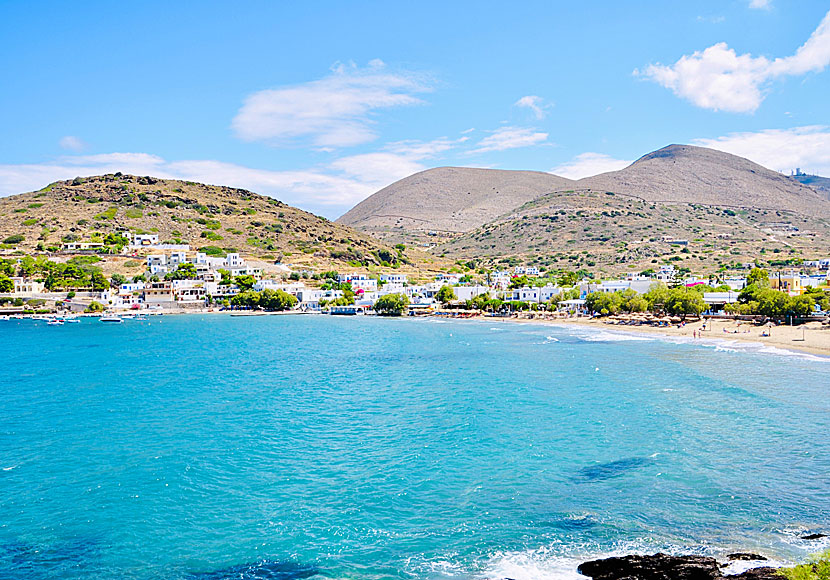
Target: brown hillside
pixel 448 200
pixel 687 174
pixel 220 218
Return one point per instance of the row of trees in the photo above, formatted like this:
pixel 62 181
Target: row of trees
pixel 271 300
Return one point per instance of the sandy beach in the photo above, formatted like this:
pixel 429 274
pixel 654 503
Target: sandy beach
pixel 812 338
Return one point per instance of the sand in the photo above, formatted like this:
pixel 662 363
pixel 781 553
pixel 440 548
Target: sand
pixel 811 338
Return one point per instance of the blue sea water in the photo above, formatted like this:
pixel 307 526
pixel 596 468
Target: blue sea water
pixel 321 447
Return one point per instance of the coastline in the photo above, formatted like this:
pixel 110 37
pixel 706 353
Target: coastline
pixel 805 339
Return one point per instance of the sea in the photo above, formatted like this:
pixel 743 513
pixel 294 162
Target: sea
pixel 214 447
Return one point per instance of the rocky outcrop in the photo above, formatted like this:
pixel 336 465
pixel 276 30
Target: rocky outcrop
pixel 665 567
pixel 656 567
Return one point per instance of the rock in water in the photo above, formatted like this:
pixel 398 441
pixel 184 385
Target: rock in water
pixel 656 567
pixel 764 573
pixel 744 556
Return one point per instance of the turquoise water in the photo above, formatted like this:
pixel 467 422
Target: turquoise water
pixel 324 447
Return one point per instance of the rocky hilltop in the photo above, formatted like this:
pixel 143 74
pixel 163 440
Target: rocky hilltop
pixel 687 174
pixel 217 219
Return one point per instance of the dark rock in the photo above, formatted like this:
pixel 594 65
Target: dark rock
pixel 656 567
pixel 264 570
pixel 744 556
pixel 813 536
pixel 611 469
pixel 764 573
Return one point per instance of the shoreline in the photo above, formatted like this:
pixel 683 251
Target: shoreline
pixel 816 340
pixel 811 339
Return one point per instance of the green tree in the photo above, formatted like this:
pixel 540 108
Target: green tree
pixel 446 295
pixel 185 271
pixel 803 305
pixel 391 304
pixel 245 282
pixel 95 307
pixel 758 277
pixel 249 299
pixel 117 279
pixel 683 301
pixel 6 284
pixel 276 300
pixel 98 281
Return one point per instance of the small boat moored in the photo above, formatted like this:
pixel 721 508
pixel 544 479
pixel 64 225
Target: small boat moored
pixel 110 318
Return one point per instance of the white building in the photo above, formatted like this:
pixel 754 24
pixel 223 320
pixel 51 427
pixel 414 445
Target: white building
pixel 448 279
pixel 393 278
pixel 526 271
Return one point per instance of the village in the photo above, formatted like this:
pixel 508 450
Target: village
pixel 178 280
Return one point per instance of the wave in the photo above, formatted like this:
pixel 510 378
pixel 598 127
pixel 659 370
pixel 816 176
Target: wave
pixel 610 336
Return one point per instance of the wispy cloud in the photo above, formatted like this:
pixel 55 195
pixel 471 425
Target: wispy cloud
pixel 720 79
pixel 335 111
pixel 505 138
pixel 536 104
pixel 780 149
pixel 71 143
pixel 589 164
pixel 760 4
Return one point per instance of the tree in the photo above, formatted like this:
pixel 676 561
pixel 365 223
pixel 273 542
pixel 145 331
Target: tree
pixel 603 303
pixel 6 284
pixel 245 282
pixel 758 277
pixel 446 295
pixel 247 299
pixel 117 279
pixel 99 283
pixel 276 300
pixel 226 277
pixel 803 305
pixel 683 301
pixel 95 307
pixel 185 271
pixel 391 305
pixel 519 282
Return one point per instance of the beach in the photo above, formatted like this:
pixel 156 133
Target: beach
pixel 812 338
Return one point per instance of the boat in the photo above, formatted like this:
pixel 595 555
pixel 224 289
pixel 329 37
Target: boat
pixel 110 318
pixel 72 320
pixel 5 317
pixel 56 322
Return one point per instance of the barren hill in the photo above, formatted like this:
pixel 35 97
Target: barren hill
pixel 687 174
pixel 216 218
pixel 698 208
pixel 448 200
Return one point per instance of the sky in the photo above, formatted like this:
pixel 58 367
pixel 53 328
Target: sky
pixel 320 104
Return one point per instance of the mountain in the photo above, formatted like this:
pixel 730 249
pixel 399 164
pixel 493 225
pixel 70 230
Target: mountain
pixel 687 174
pixel 694 207
pixel 448 200
pixel 217 218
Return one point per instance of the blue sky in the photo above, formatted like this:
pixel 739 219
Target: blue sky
pixel 322 103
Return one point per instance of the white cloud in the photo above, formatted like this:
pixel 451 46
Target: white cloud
pixel 720 79
pixel 760 4
pixel 780 149
pixel 330 189
pixel 510 138
pixel 377 169
pixel 335 111
pixel 535 104
pixel 589 164
pixel 71 143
